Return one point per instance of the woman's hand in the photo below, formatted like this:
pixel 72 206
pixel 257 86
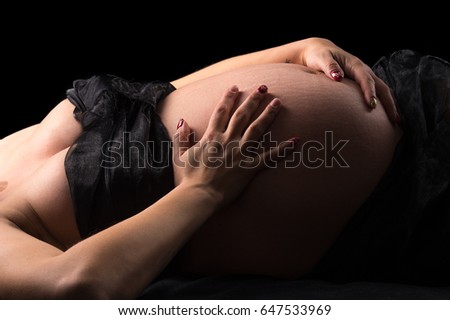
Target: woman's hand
pixel 316 53
pixel 324 55
pixel 228 156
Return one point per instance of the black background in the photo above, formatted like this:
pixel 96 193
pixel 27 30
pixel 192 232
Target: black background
pixel 44 50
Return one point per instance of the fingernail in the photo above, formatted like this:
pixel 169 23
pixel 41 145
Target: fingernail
pixel 262 88
pixel 373 102
pixel 336 75
pixel 234 89
pixel 180 123
pixel 276 103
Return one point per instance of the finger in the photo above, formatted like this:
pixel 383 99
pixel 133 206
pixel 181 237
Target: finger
pixel 221 114
pixel 387 100
pixel 331 67
pixel 329 63
pixel 369 91
pixel 374 89
pixel 357 70
pixel 182 139
pixel 240 119
pixel 273 155
pixel 365 78
pixel 258 127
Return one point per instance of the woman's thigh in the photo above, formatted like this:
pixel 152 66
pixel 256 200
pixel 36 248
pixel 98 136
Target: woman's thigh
pixel 290 215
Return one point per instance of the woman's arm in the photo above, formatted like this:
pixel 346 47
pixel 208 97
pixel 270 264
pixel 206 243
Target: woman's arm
pixel 317 53
pixel 281 54
pixel 115 263
pixel 120 261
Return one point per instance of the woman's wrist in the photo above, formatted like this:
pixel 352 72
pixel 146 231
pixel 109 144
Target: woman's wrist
pixel 296 52
pixel 290 52
pixel 202 192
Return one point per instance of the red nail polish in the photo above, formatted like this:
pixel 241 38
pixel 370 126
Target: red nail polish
pixel 262 88
pixel 373 102
pixel 180 123
pixel 336 75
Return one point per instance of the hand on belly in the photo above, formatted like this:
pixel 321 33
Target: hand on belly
pixel 288 217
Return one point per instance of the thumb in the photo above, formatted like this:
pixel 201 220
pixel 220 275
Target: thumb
pixel 335 72
pixel 331 67
pixel 181 139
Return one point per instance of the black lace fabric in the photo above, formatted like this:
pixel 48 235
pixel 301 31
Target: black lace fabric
pixel 402 233
pixel 121 163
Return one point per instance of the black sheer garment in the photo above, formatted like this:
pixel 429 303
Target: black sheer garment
pixel 121 163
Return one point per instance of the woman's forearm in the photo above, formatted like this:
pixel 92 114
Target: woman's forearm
pixel 280 54
pixel 123 259
pixel 120 261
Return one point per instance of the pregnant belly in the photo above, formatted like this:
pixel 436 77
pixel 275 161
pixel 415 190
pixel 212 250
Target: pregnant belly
pixel 289 216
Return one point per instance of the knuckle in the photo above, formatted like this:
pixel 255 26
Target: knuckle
pixel 331 65
pixel 229 95
pixel 357 64
pixel 369 79
pixel 272 110
pixel 240 114
pixel 221 109
pixel 227 137
pixel 257 129
pixel 356 61
pixel 210 136
pixel 183 138
pixel 381 85
pixel 256 96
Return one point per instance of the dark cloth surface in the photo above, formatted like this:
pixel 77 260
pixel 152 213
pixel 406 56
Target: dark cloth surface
pixel 253 287
pixel 121 163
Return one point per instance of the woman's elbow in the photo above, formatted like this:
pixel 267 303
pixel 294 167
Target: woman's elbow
pixel 87 286
pixel 75 287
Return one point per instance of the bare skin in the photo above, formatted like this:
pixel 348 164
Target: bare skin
pixel 283 242
pixel 287 218
pixel 44 256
